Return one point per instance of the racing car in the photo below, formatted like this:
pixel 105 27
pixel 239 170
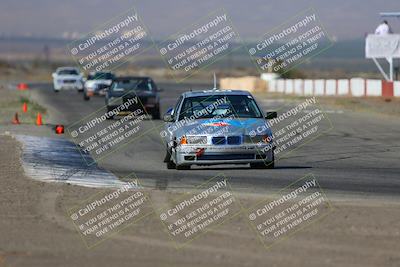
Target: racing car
pixel 127 88
pixel 217 127
pixel 67 78
pixel 97 83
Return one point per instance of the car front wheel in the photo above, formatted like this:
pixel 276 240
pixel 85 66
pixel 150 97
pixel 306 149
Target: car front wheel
pixel 183 167
pixel 264 165
pixel 269 165
pixel 110 117
pixel 156 113
pixel 171 165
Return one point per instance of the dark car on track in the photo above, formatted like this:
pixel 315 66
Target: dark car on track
pixel 124 88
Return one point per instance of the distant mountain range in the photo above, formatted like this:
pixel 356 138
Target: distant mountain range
pixel 342 19
pixel 343 55
pixel 340 49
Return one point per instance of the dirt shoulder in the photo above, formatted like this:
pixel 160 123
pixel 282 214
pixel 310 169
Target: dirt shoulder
pixel 35 231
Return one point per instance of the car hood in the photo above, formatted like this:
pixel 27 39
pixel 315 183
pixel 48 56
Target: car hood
pixel 225 126
pixel 94 82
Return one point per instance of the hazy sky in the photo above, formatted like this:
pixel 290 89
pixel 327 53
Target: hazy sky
pixel 344 19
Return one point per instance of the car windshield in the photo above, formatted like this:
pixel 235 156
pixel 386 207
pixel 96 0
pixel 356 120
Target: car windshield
pixel 132 84
pixel 220 106
pixel 101 76
pixel 68 72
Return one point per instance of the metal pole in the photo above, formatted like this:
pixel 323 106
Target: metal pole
pixel 380 69
pixel 215 82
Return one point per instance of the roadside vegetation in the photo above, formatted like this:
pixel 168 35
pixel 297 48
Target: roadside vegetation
pixel 11 101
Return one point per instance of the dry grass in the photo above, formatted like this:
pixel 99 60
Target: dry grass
pixel 11 101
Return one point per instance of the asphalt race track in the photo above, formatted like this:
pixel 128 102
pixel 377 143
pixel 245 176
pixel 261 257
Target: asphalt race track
pixel 346 160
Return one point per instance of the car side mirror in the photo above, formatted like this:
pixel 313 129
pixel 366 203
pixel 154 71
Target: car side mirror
pixel 53 75
pixel 271 115
pixel 168 118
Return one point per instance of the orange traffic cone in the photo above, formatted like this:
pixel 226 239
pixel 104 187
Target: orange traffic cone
pixel 39 119
pixel 25 107
pixel 15 119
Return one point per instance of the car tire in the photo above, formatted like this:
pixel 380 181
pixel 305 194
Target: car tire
pixel 258 166
pixel 263 165
pixel 271 165
pixel 183 167
pixel 156 114
pixel 167 159
pixel 56 91
pixel 112 116
pixel 171 165
pixel 86 97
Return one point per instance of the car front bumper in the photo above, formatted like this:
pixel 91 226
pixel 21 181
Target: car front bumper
pixel 223 154
pixel 77 85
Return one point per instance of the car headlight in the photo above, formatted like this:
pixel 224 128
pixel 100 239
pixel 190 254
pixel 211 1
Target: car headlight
pixel 193 140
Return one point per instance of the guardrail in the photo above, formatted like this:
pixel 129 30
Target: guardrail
pixel 356 87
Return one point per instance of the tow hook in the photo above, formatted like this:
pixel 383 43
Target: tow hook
pixel 199 152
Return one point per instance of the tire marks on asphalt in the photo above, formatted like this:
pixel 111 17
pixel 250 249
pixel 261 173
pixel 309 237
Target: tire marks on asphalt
pixel 58 160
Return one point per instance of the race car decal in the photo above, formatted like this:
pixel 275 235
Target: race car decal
pixel 229 122
pixel 220 123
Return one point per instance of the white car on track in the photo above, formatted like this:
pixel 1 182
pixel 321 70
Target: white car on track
pixel 67 78
pixel 97 83
pixel 218 127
